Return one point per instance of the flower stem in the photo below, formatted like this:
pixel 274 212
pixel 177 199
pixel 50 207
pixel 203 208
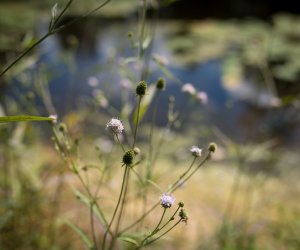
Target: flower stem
pixel 116 208
pixel 137 121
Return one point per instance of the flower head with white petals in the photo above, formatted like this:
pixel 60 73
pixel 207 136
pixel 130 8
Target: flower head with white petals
pixel 167 200
pixel 196 151
pixel 115 126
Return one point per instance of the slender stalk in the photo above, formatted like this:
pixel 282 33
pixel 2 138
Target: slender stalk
pixel 170 190
pixel 93 226
pixel 171 218
pixel 137 121
pixel 142 30
pixel 121 209
pixel 52 31
pixel 118 139
pixel 116 208
pixel 149 242
pixel 155 230
pixel 26 51
pixel 184 174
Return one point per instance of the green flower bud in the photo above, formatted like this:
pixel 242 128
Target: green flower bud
pixel 181 204
pixel 62 127
pixel 141 88
pixel 183 215
pixel 160 85
pixel 128 157
pixel 212 147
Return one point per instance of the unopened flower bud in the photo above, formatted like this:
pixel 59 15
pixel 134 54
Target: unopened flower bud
pixel 136 151
pixel 141 88
pixel 181 204
pixel 128 157
pixel 212 147
pixel 183 215
pixel 160 85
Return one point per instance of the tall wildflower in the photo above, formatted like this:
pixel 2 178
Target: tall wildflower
pixel 115 126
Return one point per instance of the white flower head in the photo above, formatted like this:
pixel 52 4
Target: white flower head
pixel 167 200
pixel 189 89
pixel 196 151
pixel 115 126
pixel 160 59
pixel 54 117
pixel 202 97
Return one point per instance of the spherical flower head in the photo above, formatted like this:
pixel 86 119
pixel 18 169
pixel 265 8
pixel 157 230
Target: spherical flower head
pixel 181 204
pixel 189 89
pixel 167 200
pixel 202 97
pixel 160 85
pixel 115 126
pixel 196 151
pixel 183 215
pixel 128 157
pixel 141 88
pixel 54 118
pixel 212 147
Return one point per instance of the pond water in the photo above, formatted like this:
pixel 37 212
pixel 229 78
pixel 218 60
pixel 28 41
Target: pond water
pixel 90 56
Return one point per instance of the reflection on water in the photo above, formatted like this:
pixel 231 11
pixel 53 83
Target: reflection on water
pixel 91 56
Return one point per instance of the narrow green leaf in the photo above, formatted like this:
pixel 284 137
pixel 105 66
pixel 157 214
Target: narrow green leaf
pixel 129 240
pixel 145 103
pixel 24 118
pixel 89 244
pixel 87 202
pixel 155 185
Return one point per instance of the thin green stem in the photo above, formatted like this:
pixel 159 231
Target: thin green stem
pixel 171 218
pixel 116 208
pixel 118 139
pixel 137 121
pixel 155 230
pixel 26 51
pixel 51 32
pixel 170 190
pixel 150 242
pixel 142 30
pixel 61 14
pixel 93 226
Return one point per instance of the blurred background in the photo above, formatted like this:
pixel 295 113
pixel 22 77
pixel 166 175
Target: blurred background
pixel 242 60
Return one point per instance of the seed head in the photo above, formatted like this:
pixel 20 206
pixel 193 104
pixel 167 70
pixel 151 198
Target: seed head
pixel 115 126
pixel 167 200
pixel 181 204
pixel 183 215
pixel 128 157
pixel 196 151
pixel 160 85
pixel 212 147
pixel 141 88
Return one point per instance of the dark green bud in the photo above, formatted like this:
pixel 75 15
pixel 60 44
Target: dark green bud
pixel 129 34
pixel 128 157
pixel 160 84
pixel 181 204
pixel 62 127
pixel 212 147
pixel 183 215
pixel 141 88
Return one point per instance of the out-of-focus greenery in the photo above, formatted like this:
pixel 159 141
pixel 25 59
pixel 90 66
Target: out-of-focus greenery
pixel 241 44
